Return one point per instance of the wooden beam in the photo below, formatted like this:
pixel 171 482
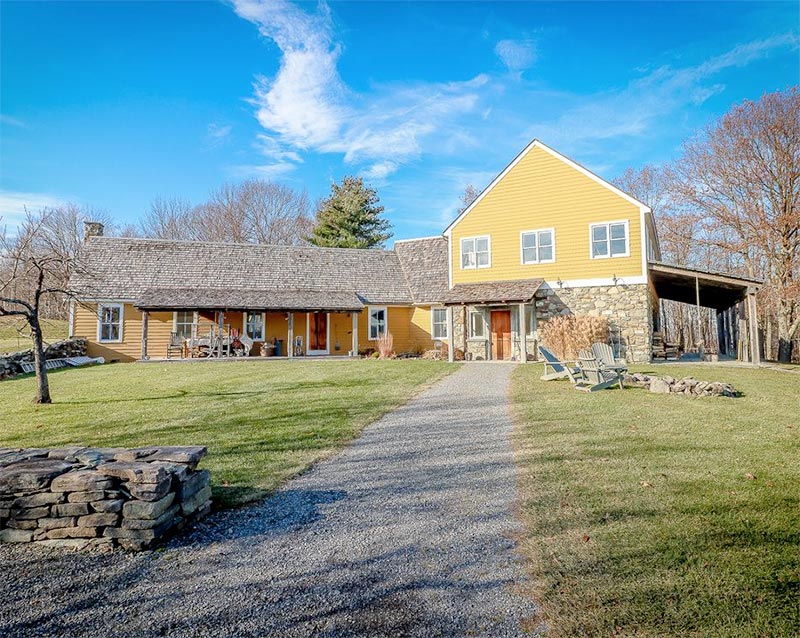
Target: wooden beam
pixel 523 334
pixel 451 342
pixel 752 320
pixel 355 334
pixel 290 336
pixel 145 322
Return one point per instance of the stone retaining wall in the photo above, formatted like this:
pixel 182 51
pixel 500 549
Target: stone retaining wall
pixel 83 497
pixel 10 364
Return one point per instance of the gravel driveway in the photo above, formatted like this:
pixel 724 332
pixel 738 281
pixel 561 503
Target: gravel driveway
pixel 407 532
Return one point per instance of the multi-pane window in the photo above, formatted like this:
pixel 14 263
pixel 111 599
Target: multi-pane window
pixel 475 253
pixel 609 240
pixel 377 322
pixel 476 325
pixel 538 246
pixel 184 323
pixel 439 323
pixel 109 322
pixel 254 325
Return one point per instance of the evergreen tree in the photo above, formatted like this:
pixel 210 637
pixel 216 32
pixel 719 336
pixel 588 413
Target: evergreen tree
pixel 351 217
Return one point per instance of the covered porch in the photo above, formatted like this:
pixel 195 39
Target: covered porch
pixel 732 298
pixel 214 323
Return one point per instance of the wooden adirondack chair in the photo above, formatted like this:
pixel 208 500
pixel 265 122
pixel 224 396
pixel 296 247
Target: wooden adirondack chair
pixel 560 369
pixel 605 355
pixel 594 375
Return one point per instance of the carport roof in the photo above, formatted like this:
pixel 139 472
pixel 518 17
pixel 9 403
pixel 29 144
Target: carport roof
pixel 717 290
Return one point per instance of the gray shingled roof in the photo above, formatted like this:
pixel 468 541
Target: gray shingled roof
pixel 236 299
pixel 125 269
pixel 493 292
pixel 424 262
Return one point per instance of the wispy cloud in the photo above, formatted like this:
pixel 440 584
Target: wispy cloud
pixel 13 205
pixel 517 55
pixel 218 134
pixel 12 121
pixel 307 106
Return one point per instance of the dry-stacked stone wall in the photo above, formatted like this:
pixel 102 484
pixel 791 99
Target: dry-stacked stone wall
pixel 10 364
pixel 85 497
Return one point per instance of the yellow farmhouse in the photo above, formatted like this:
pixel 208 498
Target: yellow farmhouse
pixel 546 237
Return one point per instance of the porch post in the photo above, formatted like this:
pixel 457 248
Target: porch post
pixel 145 321
pixel 702 347
pixel 451 342
pixel 290 336
pixel 355 334
pixel 523 334
pixel 752 320
pixel 220 326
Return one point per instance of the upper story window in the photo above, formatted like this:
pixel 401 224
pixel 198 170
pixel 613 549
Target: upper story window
pixel 609 240
pixel 254 325
pixel 475 252
pixel 439 323
pixel 377 322
pixel 109 322
pixel 538 246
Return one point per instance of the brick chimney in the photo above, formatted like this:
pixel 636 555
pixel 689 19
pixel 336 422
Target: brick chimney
pixel 92 229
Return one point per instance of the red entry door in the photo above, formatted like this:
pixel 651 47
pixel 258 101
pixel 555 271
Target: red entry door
pixel 501 334
pixel 318 331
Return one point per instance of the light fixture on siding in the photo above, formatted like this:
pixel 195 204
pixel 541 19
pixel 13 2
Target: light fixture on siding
pixel 614 279
pixel 560 283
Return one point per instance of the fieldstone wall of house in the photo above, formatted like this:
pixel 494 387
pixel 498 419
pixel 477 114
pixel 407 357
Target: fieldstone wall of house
pixel 10 364
pixel 627 308
pixel 91 497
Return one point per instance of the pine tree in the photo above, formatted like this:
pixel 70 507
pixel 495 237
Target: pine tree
pixel 351 217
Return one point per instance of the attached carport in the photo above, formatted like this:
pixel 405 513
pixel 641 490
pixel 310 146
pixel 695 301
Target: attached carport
pixel 733 298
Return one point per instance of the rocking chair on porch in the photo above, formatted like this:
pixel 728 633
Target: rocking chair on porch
pixel 174 345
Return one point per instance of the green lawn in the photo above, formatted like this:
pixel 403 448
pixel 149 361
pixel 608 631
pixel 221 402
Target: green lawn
pixel 12 340
pixel 262 421
pixel 650 515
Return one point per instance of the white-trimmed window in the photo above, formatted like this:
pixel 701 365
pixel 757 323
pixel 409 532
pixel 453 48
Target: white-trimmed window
pixel 475 252
pixel 183 323
pixel 109 322
pixel 254 325
pixel 538 246
pixel 377 322
pixel 477 324
pixel 439 323
pixel 609 240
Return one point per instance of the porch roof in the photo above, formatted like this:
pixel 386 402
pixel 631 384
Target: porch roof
pixel 283 300
pixel 521 291
pixel 716 290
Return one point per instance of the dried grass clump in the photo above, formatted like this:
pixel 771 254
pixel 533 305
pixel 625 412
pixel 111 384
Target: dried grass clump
pixel 385 344
pixel 567 334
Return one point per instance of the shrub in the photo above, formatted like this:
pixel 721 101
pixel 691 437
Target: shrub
pixel 385 343
pixel 567 334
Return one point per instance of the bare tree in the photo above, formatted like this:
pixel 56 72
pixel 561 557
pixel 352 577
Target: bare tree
pixel 742 177
pixel 33 263
pixel 169 218
pixel 469 195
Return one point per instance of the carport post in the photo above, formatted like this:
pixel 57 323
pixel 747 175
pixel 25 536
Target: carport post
pixel 752 320
pixel 451 353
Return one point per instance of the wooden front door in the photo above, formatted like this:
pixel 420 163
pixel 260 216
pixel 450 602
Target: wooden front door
pixel 501 334
pixel 317 332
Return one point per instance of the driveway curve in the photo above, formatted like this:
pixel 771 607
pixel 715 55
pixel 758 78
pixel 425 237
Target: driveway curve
pixel 407 532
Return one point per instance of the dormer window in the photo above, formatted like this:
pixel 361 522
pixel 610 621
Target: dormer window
pixel 475 252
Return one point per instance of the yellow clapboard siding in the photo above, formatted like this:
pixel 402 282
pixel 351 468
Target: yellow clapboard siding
pixel 539 192
pixel 410 327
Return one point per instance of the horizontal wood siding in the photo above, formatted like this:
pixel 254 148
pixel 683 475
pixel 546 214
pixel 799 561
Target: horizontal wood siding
pixel 542 192
pixel 159 328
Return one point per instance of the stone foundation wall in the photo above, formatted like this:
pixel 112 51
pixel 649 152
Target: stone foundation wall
pixel 627 309
pixel 83 497
pixel 10 364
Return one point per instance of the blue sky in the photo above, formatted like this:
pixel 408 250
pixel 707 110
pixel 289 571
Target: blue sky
pixel 111 104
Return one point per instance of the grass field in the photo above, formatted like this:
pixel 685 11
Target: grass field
pixel 262 421
pixel 650 515
pixel 12 340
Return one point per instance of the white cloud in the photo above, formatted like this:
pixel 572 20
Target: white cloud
pixel 12 121
pixel 307 106
pixel 217 134
pixel 517 55
pixel 13 205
